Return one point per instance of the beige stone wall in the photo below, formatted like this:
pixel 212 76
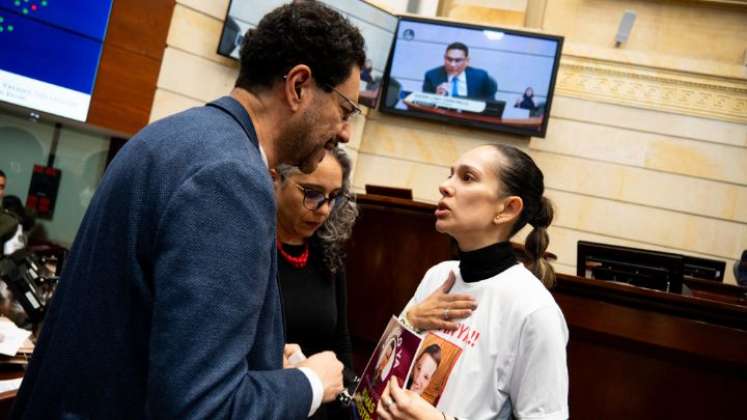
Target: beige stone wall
pixel 646 147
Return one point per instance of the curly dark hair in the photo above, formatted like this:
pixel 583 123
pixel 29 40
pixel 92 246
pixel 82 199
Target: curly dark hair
pixel 331 237
pixel 307 33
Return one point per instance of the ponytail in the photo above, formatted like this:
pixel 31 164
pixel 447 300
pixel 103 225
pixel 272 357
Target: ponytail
pixel 521 177
pixel 536 244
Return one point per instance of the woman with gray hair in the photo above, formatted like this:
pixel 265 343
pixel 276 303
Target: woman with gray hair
pixel 315 218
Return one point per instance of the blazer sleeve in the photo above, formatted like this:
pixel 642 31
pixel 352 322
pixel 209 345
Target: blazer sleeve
pixel 429 85
pixel 211 277
pixel 485 85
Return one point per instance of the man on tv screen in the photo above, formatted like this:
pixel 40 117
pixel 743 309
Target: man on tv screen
pixel 457 78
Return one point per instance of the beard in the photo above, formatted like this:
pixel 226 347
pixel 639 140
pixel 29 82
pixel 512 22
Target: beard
pixel 300 146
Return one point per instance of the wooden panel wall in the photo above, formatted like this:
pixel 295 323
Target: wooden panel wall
pixel 131 59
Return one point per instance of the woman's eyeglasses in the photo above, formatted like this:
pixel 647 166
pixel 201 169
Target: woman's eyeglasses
pixel 314 200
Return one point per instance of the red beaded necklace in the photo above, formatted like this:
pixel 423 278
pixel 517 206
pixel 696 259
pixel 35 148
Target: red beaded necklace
pixel 297 262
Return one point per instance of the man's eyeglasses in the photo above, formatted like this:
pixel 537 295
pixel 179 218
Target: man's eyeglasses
pixel 314 200
pixel 347 113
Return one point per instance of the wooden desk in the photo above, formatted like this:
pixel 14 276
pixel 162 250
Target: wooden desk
pixel 7 398
pixel 644 354
pixel 633 353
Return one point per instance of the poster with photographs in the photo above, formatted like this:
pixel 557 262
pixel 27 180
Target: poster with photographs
pixel 435 358
pixel 421 364
pixel 393 356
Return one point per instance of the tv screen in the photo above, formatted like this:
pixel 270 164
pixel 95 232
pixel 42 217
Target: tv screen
pixel 376 25
pixel 479 76
pixel 49 53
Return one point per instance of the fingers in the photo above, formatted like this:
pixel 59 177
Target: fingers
pixel 291 348
pixel 460 301
pixel 396 391
pixel 448 283
pixel 329 370
pixel 292 355
pixel 381 412
pixel 447 325
pixel 384 405
pixel 459 314
pixel 403 401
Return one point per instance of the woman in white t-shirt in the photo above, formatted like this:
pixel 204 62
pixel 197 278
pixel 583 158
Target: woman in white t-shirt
pixel 511 332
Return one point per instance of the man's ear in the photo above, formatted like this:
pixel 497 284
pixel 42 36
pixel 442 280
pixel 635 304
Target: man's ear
pixel 509 210
pixel 297 81
pixel 276 179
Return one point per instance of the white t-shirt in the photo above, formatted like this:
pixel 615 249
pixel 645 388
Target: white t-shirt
pixel 513 361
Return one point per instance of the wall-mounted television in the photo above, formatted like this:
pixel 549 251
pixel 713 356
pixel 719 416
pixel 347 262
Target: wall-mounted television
pixel 376 25
pixel 50 52
pixel 480 76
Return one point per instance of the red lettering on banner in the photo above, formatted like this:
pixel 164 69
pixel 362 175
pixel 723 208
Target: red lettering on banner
pixel 465 334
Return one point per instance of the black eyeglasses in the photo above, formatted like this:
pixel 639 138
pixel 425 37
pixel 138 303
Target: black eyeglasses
pixel 348 113
pixel 314 200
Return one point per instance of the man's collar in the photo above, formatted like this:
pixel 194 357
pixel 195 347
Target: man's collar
pixel 462 77
pixel 234 108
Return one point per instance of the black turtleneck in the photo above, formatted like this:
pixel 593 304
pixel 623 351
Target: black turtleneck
pixel 486 262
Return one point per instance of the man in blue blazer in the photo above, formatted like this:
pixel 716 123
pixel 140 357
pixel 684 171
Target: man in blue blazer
pixel 456 78
pixel 168 306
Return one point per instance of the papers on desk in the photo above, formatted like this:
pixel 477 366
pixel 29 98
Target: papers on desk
pixel 12 338
pixel 446 102
pixel 10 384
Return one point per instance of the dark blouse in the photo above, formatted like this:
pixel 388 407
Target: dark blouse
pixel 315 307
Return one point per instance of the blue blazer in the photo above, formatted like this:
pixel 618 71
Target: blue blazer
pixel 479 83
pixel 168 306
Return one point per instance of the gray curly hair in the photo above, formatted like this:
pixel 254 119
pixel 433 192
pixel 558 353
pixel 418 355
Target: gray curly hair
pixel 335 231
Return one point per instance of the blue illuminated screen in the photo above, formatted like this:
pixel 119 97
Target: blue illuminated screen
pixel 50 52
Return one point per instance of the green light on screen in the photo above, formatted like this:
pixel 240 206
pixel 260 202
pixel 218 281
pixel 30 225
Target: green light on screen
pixel 25 11
pixel 10 28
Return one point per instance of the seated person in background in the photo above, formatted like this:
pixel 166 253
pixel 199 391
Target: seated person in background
pixel 16 218
pixel 527 100
pixel 517 366
pixel 367 72
pixel 13 206
pixel 456 78
pixel 425 366
pixel 3 183
pixel 740 270
pixel 315 218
